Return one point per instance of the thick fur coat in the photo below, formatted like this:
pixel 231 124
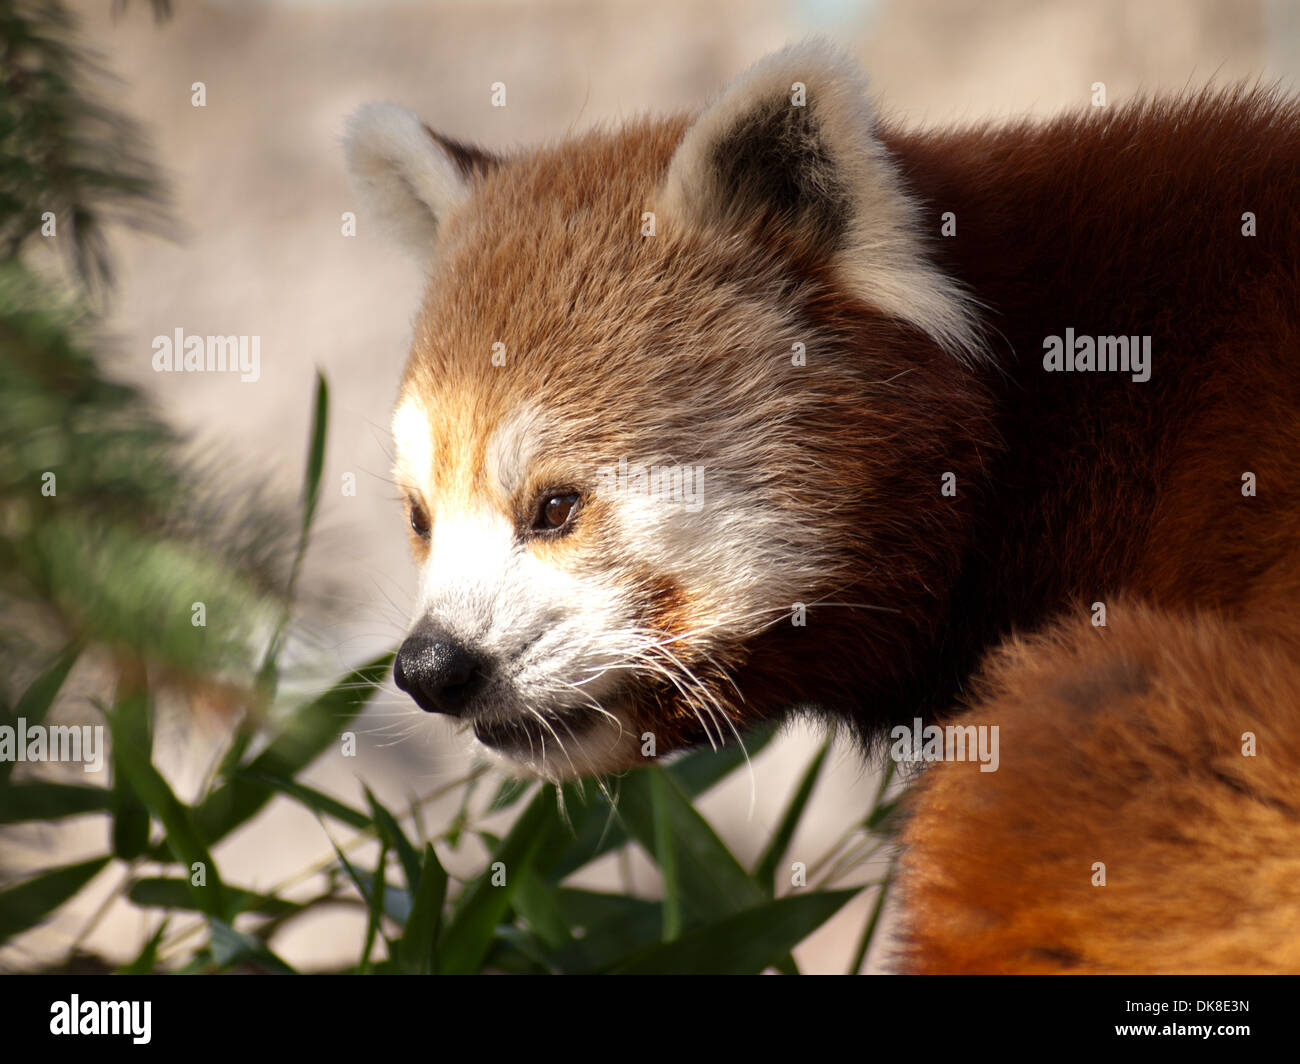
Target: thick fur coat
pixel 920 496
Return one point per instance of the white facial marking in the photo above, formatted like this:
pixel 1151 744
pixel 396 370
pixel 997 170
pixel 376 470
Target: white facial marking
pixel 564 642
pixel 413 442
pixel 554 641
pixel 512 448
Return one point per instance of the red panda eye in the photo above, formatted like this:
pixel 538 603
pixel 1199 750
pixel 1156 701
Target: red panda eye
pixel 419 520
pixel 555 512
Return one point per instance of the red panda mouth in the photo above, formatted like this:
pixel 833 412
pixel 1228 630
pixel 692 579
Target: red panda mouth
pixel 533 732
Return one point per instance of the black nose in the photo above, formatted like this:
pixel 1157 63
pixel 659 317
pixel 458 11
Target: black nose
pixel 438 671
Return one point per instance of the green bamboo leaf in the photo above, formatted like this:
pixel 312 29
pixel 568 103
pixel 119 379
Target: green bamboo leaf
pixel 510 791
pixel 182 839
pixel 375 908
pixel 315 453
pixel 40 800
pixel 596 831
pixel 665 852
pixel 417 950
pixel 40 694
pixel 199 963
pixel 316 801
pixel 130 816
pixel 462 818
pixel 786 965
pixel 712 882
pixel 606 929
pixel 31 901
pixel 364 884
pixel 516 951
pixel 397 900
pixel 146 962
pixel 873 922
pixel 743 943
pixel 392 832
pixel 699 770
pixel 536 904
pixel 268 673
pixel 170 892
pixel 592 909
pixel 881 818
pixel 765 869
pixel 593 830
pixel 396 903
pixel 310 729
pixel 130 824
pixel 231 947
pixel 468 935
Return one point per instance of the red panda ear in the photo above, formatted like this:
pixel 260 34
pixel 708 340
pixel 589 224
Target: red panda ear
pixel 410 176
pixel 791 143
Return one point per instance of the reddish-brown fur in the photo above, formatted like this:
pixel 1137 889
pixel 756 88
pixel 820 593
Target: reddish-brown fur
pixel 562 225
pixel 1120 744
pixel 1122 747
pixel 1124 744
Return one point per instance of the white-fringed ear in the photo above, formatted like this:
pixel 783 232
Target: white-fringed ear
pixel 411 177
pixel 791 143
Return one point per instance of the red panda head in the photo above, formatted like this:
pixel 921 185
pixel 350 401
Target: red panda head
pixel 664 389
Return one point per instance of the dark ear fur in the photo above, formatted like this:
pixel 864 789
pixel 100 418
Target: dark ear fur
pixel 774 165
pixel 471 161
pixel 792 143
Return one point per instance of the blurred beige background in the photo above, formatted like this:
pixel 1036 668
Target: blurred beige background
pixel 260 187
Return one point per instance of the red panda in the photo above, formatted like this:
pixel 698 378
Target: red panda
pixel 779 406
